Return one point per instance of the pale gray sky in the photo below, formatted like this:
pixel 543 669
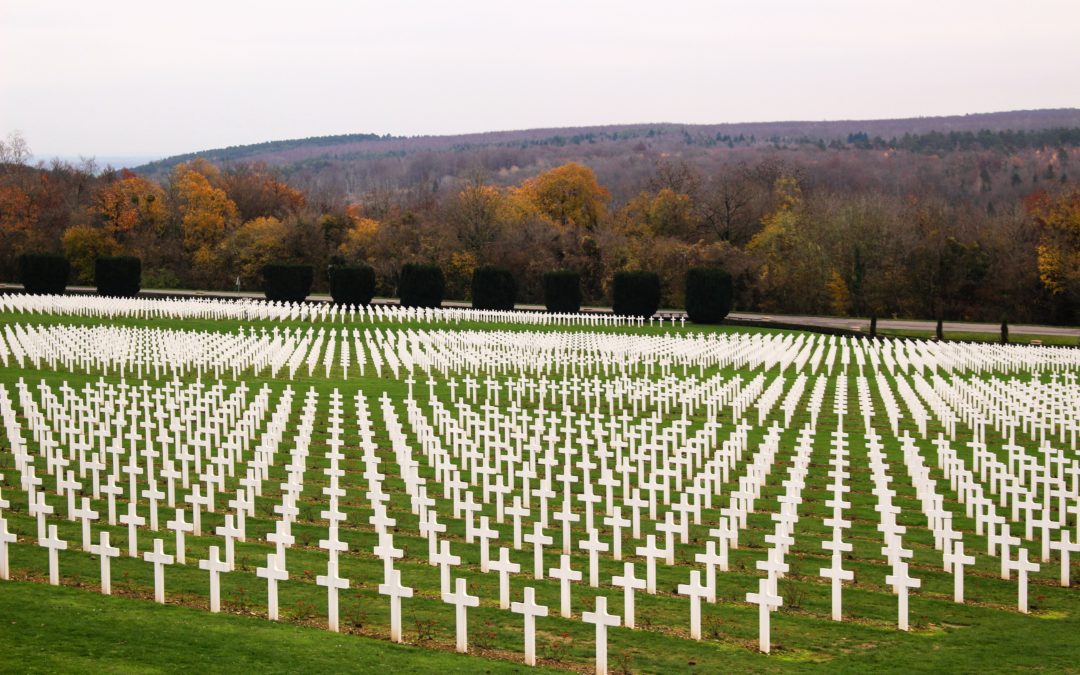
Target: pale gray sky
pixel 142 77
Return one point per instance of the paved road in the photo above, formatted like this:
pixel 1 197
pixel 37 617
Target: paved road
pixel 816 321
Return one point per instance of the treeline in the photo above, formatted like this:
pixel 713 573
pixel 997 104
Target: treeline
pixel 858 232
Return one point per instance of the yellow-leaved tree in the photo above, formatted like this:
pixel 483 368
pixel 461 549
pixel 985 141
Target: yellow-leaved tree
pixel 1059 242
pixel 251 246
pixel 206 217
pixel 83 245
pixel 792 273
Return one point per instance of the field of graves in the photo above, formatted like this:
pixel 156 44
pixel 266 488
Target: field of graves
pixel 258 486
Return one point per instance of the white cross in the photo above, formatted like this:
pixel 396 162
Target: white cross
pixel 766 602
pixel 538 539
pixel 669 527
pixel 432 528
pixel 273 573
pixel 651 553
pixel 282 538
pixel 196 499
pixel 215 566
pixel 629 584
pixel 517 512
pixel 486 534
pixel 601 619
pixel 710 559
pixel 180 526
pixel 153 494
pixel 5 539
pixel 725 535
pixel 396 592
pixel 695 591
pixel 616 522
pixel 773 565
pixel 85 514
pixel 565 574
pixel 333 584
pixel 111 491
pixel 461 600
pixel 106 553
pixel 160 559
pixel 55 544
pixel 505 567
pixel 444 560
pixel 958 560
pixel 900 580
pixel 229 531
pixel 1022 567
pixel 241 505
pixel 385 550
pixel 529 610
pixel 1065 546
pixel 838 575
pixel 133 520
pixel 566 517
pixel 594 546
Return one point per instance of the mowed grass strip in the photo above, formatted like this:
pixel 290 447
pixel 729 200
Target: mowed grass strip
pixel 58 629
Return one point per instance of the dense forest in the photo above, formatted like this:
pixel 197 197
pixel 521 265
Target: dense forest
pixel 962 218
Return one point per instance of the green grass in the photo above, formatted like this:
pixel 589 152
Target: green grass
pixel 995 338
pixel 985 635
pixel 48 629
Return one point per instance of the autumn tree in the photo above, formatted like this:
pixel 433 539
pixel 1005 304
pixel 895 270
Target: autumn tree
pixel 18 214
pixel 83 245
pixel 130 208
pixel 665 213
pixel 794 272
pixel 258 193
pixel 1058 220
pixel 251 246
pixel 206 215
pixel 477 213
pixel 568 195
pixel 358 242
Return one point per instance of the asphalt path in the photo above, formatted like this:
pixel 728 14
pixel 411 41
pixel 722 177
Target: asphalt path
pixel 785 320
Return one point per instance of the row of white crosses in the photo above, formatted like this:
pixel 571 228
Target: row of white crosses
pixel 153 352
pixel 281 538
pixel 250 309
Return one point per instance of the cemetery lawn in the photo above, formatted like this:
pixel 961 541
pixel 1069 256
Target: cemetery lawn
pixel 1014 338
pixel 72 628
pixel 46 629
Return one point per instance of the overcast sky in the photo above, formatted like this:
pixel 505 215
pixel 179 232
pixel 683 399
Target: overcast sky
pixel 149 78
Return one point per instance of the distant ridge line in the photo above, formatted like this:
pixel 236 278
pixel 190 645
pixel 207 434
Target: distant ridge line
pixel 362 144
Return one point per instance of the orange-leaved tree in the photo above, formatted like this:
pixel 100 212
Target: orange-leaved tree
pixel 130 206
pixel 568 195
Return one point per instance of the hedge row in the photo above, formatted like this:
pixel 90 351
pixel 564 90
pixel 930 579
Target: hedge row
pixel 493 288
pixel 45 273
pixel 709 290
pixel 287 283
pixel 352 284
pixel 118 276
pixel 421 286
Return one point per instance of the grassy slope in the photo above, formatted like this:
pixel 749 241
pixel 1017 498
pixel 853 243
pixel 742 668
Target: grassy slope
pixel 64 629
pixel 984 635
